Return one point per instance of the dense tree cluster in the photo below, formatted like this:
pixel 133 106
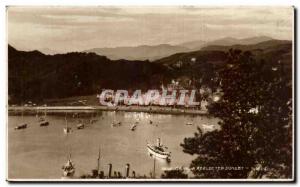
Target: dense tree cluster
pixel 255 135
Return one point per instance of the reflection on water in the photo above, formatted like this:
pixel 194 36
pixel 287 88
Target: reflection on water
pixel 40 152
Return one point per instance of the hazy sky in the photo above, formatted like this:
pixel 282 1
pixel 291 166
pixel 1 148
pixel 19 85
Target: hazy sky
pixel 65 29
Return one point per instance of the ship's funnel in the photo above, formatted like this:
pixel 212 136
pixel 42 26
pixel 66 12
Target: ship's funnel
pixel 158 142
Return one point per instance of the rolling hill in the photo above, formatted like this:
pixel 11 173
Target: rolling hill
pixel 35 76
pixel 215 54
pixel 204 64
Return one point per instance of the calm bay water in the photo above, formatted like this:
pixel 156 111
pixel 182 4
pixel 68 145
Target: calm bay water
pixel 39 152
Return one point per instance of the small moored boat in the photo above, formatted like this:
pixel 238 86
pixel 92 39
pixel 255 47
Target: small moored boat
pixel 68 168
pixel 93 121
pixel 41 119
pixel 44 123
pixel 133 127
pixel 22 126
pixel 116 124
pixel 80 126
pixel 67 130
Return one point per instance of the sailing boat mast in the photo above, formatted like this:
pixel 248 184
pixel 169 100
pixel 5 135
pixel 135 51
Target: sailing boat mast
pixel 66 128
pixel 37 113
pixel 154 162
pixel 66 121
pixel 45 113
pixel 22 114
pixel 98 163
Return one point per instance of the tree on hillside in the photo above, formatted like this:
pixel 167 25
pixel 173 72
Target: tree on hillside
pixel 255 135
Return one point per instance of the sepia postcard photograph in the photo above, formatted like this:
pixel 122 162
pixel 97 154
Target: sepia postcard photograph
pixel 150 93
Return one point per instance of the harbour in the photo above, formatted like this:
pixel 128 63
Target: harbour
pixel 42 151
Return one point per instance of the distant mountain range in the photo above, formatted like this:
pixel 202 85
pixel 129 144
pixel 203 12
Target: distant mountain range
pixel 145 52
pixel 263 46
pixel 227 41
pixel 154 52
pixel 271 51
pixel 48 51
pixel 194 45
pixel 35 76
pixel 142 52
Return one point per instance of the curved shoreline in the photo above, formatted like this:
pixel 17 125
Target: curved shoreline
pixel 92 109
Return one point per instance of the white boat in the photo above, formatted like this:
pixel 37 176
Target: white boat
pixel 80 126
pixel 189 123
pixel 67 130
pixel 208 127
pixel 158 151
pixel 68 168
